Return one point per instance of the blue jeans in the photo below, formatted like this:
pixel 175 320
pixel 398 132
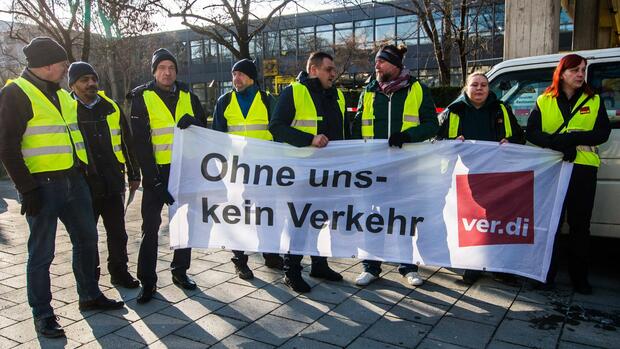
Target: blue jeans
pixel 66 198
pixel 374 267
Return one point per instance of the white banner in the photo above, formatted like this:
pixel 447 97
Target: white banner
pixel 474 205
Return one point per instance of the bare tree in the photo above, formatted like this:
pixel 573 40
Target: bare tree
pixel 221 20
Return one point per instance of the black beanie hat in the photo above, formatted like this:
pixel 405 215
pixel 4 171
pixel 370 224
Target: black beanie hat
pixel 161 54
pixel 79 69
pixel 247 67
pixel 391 54
pixel 43 51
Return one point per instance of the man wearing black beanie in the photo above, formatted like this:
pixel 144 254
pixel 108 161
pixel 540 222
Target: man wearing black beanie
pixel 44 154
pixel 246 111
pixel 156 107
pixel 107 137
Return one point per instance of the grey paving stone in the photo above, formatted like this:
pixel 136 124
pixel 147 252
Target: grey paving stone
pixel 601 296
pixel 173 294
pixel 559 294
pixel 149 329
pixel 306 343
pixel 66 295
pixel 592 324
pixel 19 312
pixel 93 327
pixel 334 330
pixel 134 311
pixel 365 343
pixel 483 312
pixel 527 334
pixel 275 292
pixel 414 310
pixel 397 332
pixel 303 309
pixel 330 293
pixel 495 344
pixel 260 279
pixel 570 345
pixel 227 292
pixel 448 280
pixel 210 329
pixel 48 343
pixel 536 312
pixel 361 310
pixel 436 294
pixel 192 308
pixel 4 322
pixel 112 341
pixel 461 332
pixel 382 294
pixel 272 329
pixel 7 343
pixel 247 309
pixel 15 281
pixel 210 278
pixel 501 297
pixel 432 344
pixel 172 341
pixel 235 342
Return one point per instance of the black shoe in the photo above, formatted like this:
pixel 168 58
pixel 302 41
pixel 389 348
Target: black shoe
pixel 146 294
pixel 244 272
pixel 471 276
pixel 582 287
pixel 101 303
pixel 184 281
pixel 49 327
pixel 297 283
pixel 124 280
pixel 325 272
pixel 274 262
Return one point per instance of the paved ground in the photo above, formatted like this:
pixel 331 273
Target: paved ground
pixel 227 312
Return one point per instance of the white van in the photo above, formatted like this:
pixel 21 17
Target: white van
pixel 518 82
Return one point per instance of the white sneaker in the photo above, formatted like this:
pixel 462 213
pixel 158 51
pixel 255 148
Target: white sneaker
pixel 365 279
pixel 414 279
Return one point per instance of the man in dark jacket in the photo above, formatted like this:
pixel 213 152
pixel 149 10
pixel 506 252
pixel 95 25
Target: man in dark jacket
pixel 246 111
pixel 106 134
pixel 294 124
pixel 42 149
pixel 397 107
pixel 156 107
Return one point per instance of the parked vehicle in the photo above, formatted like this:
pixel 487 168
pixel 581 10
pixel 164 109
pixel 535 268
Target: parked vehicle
pixel 518 82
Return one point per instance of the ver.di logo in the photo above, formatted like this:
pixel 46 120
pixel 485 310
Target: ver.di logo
pixel 495 208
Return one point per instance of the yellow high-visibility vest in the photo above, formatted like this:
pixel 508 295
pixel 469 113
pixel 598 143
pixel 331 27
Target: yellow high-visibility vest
pixel 411 111
pixel 583 120
pixel 306 118
pixel 163 123
pixel 455 119
pixel 114 124
pixel 51 135
pixel 255 125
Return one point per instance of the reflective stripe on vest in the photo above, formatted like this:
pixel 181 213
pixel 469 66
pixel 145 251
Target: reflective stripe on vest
pixel 255 125
pixel 411 111
pixel 114 125
pixel 163 123
pixel 583 120
pixel 453 128
pixel 306 118
pixel 51 135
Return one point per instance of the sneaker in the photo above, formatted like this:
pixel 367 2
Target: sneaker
pixel 325 272
pixel 297 283
pixel 244 272
pixel 414 279
pixel 365 278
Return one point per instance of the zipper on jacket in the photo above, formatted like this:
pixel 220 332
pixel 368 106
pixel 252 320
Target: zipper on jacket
pixel 389 115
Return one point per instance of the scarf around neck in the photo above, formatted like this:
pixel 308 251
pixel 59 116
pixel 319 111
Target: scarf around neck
pixel 401 81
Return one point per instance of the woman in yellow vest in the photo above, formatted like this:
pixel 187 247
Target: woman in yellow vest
pixel 569 117
pixel 478 115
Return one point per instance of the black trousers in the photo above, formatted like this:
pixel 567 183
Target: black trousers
pixel 152 205
pixel 292 263
pixel 240 258
pixel 111 209
pixel 577 210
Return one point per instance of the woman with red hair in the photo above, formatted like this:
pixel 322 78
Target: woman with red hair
pixel 569 117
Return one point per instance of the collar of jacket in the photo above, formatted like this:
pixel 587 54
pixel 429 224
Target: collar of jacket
pixel 463 102
pixel 250 91
pixel 373 85
pixel 101 103
pixel 314 84
pixel 43 85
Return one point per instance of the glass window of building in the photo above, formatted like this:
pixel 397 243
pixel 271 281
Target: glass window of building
pixel 324 36
pixel 272 46
pixel 344 32
pixel 200 90
pixel 385 29
pixel 306 39
pixel 197 52
pixel 566 23
pixel 181 53
pixel 225 86
pixel 407 29
pixel 256 47
pixel 500 18
pixel 288 42
pixel 364 33
pixel 211 51
pixel 225 54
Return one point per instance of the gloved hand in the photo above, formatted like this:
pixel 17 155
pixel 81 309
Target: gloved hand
pixel 570 154
pixel 31 202
pixel 186 121
pixel 161 191
pixel 562 141
pixel 397 139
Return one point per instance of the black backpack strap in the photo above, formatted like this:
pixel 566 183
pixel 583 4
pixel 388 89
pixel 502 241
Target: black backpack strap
pixel 567 120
